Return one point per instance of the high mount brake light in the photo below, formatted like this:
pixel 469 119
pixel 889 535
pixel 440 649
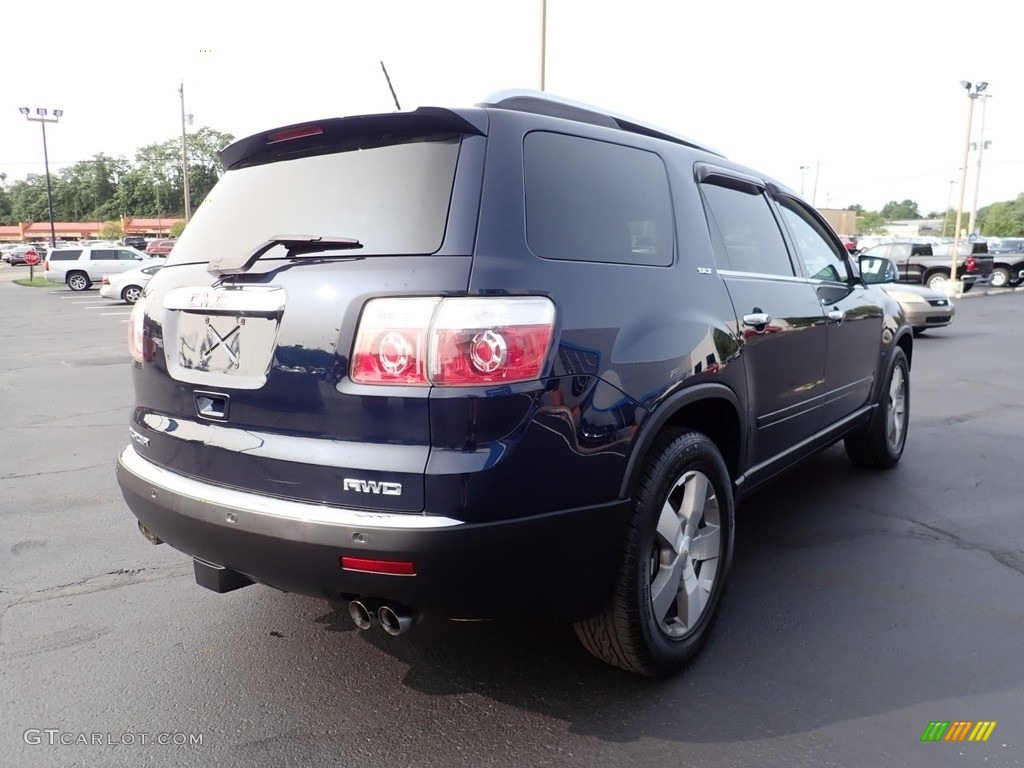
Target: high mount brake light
pixel 453 342
pixel 299 132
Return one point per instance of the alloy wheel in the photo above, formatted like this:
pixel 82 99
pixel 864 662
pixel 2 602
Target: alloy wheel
pixel 685 554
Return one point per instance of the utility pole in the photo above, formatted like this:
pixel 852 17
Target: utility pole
pixel 184 156
pixel 971 96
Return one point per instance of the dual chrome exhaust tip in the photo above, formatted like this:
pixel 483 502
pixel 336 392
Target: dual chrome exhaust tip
pixel 393 618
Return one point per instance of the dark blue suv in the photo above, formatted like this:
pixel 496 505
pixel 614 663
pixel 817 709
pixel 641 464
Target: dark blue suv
pixel 517 360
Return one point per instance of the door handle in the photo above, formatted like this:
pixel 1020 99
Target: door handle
pixel 757 318
pixel 837 315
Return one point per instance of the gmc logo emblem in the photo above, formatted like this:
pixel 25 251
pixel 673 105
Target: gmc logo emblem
pixel 372 486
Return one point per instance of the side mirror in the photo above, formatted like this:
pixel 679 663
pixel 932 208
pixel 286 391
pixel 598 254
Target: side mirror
pixel 875 269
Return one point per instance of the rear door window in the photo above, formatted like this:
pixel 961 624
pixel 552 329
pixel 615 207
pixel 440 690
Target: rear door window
pixel 750 233
pixel 589 200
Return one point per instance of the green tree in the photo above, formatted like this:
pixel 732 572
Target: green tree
pixel 5 208
pixel 111 230
pixel 162 191
pixel 177 228
pixel 870 223
pixel 858 209
pixel 28 200
pixel 1003 219
pixel 905 210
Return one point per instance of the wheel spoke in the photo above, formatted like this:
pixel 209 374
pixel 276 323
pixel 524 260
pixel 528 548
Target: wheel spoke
pixel 692 597
pixel 670 528
pixel 694 499
pixel 665 587
pixel 706 545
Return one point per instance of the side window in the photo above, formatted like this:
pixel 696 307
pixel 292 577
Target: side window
pixel 65 255
pixel 589 200
pixel 822 258
pixel 102 255
pixel 750 233
pixel 125 256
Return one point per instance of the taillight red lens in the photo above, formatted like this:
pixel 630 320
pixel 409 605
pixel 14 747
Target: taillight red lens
pixel 136 336
pixel 971 263
pixel 299 132
pixel 453 342
pixel 391 344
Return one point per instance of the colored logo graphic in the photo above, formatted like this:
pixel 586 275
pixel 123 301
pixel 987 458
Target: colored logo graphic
pixel 958 730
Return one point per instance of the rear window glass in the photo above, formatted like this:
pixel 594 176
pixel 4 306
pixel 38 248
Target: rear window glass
pixel 65 255
pixel 589 200
pixel 98 255
pixel 392 199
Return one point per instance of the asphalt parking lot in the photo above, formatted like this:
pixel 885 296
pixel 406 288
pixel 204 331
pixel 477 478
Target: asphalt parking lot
pixel 862 606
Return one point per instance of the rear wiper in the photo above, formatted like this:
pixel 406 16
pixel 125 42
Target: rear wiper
pixel 297 245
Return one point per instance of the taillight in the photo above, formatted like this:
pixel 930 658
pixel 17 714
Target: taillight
pixel 105 281
pixel 453 342
pixel 136 338
pixel 971 263
pixel 391 344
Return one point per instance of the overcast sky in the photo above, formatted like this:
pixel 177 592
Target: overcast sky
pixel 865 94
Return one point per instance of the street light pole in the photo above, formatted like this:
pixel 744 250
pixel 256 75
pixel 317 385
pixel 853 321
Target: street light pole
pixel 971 96
pixel 184 156
pixel 977 176
pixel 543 42
pixel 42 119
pixel 803 177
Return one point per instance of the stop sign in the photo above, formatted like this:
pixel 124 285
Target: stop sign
pixel 31 258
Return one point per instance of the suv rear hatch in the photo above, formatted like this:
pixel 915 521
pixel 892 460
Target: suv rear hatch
pixel 242 342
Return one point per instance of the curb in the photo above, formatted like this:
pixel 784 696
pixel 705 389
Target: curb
pixel 975 293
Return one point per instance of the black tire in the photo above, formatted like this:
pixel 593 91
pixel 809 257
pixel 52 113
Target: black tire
pixel 78 281
pixel 880 442
pixel 685 469
pixel 919 331
pixel 966 287
pixel 131 294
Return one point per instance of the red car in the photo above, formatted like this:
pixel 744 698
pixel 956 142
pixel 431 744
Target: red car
pixel 160 247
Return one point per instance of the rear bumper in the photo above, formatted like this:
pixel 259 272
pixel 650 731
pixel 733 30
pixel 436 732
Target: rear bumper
pixel 557 566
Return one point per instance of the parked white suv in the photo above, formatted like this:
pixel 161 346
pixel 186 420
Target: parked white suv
pixel 81 267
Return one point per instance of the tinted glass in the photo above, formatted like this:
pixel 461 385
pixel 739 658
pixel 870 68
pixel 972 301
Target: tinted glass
pixel 751 236
pixel 392 199
pixel 65 254
pixel 590 200
pixel 822 258
pixel 101 255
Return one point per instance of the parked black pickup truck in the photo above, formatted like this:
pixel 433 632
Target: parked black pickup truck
pixel 919 263
pixel 1008 253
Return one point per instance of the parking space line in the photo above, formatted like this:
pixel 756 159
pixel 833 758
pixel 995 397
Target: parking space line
pixel 99 306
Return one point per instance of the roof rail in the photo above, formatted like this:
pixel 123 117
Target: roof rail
pixel 542 103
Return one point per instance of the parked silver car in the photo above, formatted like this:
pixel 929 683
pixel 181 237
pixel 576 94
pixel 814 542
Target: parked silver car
pixel 924 307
